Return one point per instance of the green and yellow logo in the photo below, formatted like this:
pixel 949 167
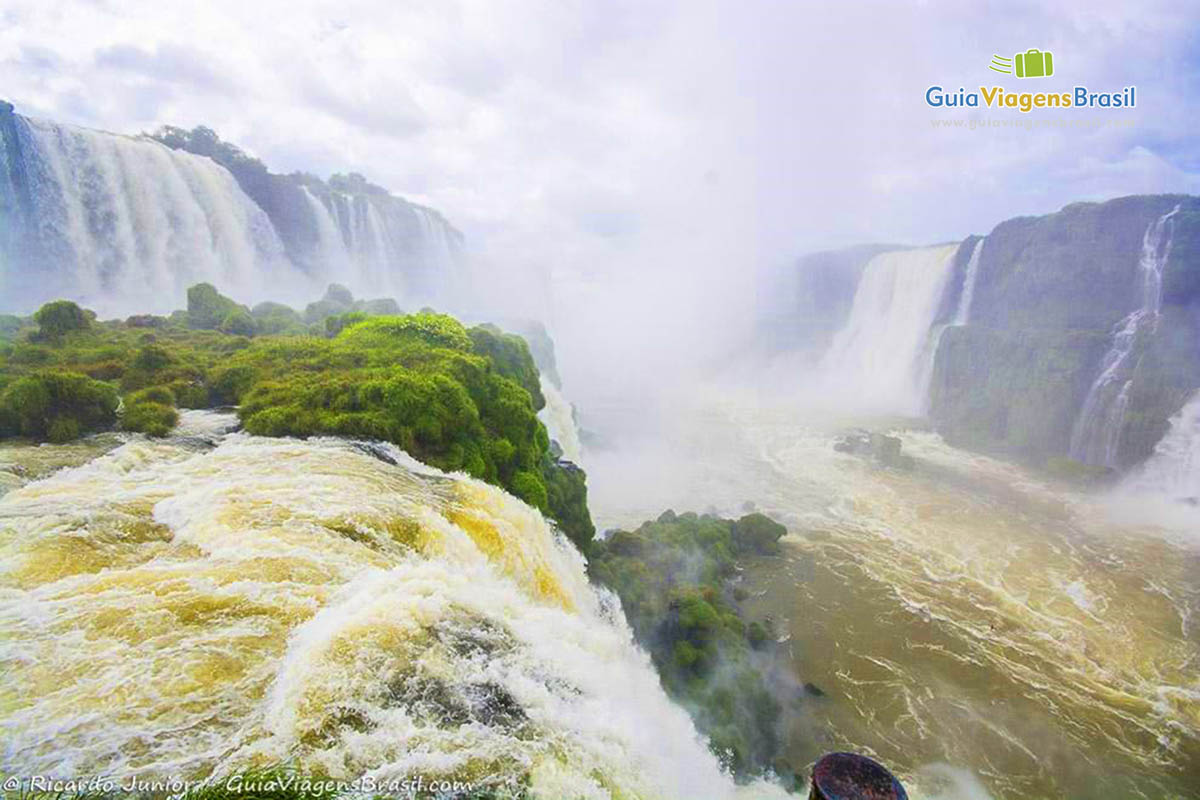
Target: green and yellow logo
pixel 1033 63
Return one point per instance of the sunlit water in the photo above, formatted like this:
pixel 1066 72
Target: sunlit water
pixel 214 601
pixel 984 633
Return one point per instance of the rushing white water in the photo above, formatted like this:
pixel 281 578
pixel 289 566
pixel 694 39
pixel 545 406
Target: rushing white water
pixel 1173 471
pixel 962 314
pixel 881 359
pixel 125 224
pixel 559 418
pixel 1095 438
pixel 378 245
pixel 130 223
pixel 174 612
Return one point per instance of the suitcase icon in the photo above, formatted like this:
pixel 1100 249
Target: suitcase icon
pixel 1034 63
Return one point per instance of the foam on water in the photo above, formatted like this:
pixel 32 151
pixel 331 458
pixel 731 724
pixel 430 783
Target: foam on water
pixel 173 612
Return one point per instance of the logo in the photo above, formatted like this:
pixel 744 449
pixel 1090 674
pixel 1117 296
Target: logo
pixel 1033 63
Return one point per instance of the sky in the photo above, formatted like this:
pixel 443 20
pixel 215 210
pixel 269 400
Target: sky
pixel 667 152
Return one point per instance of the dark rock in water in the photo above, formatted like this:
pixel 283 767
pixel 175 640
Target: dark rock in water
pixel 757 533
pixel 881 447
pixel 375 450
pixel 886 449
pixel 812 690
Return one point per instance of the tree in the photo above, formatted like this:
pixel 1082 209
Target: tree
pixel 59 317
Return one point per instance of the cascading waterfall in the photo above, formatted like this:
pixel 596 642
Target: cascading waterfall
pixel 1173 470
pixel 559 418
pixel 169 612
pixel 1095 438
pixel 881 359
pixel 962 314
pixel 126 223
pixel 377 244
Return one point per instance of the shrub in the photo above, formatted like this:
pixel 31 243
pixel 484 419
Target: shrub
pixel 150 411
pixel 153 419
pixel 207 308
pixel 335 324
pixel 60 317
pixel 58 406
pixel 238 322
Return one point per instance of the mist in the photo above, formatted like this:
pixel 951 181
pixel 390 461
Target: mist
pixel 955 353
pixel 695 149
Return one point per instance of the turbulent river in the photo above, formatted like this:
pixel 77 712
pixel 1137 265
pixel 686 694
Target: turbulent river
pixel 981 631
pixel 214 602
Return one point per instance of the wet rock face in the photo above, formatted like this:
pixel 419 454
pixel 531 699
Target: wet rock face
pixel 1049 293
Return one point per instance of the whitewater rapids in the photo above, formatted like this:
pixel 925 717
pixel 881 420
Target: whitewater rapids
pixel 215 602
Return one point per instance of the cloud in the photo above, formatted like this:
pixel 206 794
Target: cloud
pixel 655 156
pixel 168 63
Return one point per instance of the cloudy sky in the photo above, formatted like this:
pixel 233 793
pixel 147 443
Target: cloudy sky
pixel 654 140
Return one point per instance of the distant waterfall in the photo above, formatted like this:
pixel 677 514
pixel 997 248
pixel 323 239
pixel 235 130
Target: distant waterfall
pixel 559 418
pixel 1096 436
pixel 125 224
pixel 381 245
pixel 1173 471
pixel 121 223
pixel 963 313
pixel 881 359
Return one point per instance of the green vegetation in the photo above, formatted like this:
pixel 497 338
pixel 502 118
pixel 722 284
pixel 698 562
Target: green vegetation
pixel 455 398
pixel 150 411
pixel 60 317
pixel 56 406
pixel 674 578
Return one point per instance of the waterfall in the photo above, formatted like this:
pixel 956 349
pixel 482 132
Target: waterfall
pixel 377 244
pixel 331 252
pixel 1095 438
pixel 124 223
pixel 882 358
pixel 559 418
pixel 963 313
pixel 356 613
pixel 1173 470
